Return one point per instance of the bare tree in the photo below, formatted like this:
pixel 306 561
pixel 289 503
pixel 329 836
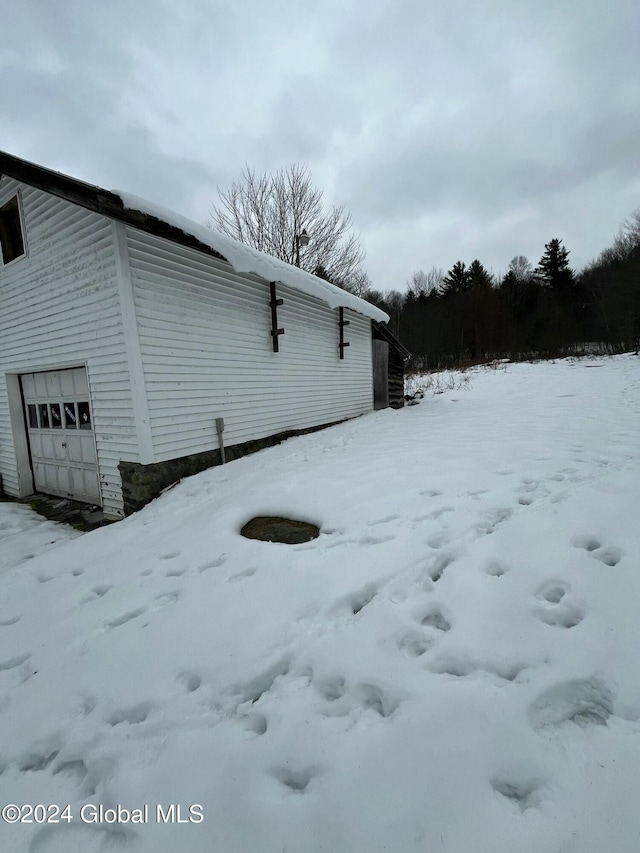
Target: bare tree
pixel 631 225
pixel 270 210
pixel 521 268
pixel 628 238
pixel 359 284
pixel 422 283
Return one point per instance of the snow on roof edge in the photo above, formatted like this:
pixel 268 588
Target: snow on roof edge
pixel 246 259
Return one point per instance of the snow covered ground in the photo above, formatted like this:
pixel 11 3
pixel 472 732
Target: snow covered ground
pixel 453 665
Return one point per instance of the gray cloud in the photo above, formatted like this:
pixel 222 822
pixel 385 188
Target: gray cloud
pixel 451 131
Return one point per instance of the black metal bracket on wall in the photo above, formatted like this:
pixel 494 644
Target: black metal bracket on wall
pixel 274 303
pixel 342 324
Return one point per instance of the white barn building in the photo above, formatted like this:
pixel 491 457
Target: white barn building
pixel 126 332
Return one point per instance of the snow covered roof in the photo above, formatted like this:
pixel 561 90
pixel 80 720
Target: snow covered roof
pixel 155 219
pixel 244 258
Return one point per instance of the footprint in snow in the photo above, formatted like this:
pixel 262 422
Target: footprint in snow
pixel 7 623
pixel 214 564
pixel 495 568
pixel 562 616
pixel 524 793
pixel 351 605
pixel 434 618
pixel 461 666
pixel 609 555
pixel 583 703
pixel 39 758
pixel 295 781
pixel 414 644
pixel 552 592
pixel 239 576
pixel 435 514
pixel 331 689
pixel 125 617
pixel 75 770
pixel 174 573
pixel 96 593
pixel 361 697
pixel 14 662
pixel 587 541
pixel 386 520
pixel 88 705
pixel 133 715
pixel 373 698
pixel 254 724
pixel 493 518
pixel 165 600
pixel 256 688
pixel 438 566
pixel 556 609
pixel 191 681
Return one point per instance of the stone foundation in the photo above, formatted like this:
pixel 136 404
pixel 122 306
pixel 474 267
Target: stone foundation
pixel 142 483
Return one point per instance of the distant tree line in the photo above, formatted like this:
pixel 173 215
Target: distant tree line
pixel 468 315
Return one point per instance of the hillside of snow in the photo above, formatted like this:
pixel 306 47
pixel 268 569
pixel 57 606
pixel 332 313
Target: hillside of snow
pixel 451 666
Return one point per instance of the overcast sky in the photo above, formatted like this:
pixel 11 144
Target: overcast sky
pixel 450 129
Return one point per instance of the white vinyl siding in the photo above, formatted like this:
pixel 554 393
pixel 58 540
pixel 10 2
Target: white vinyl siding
pixel 201 333
pixel 59 308
pixel 207 352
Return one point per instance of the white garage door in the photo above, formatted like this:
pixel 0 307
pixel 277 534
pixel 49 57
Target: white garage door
pixel 60 427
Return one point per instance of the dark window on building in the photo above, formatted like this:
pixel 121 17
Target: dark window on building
pixel 70 417
pixel 84 417
pixel 44 416
pixel 11 240
pixel 33 415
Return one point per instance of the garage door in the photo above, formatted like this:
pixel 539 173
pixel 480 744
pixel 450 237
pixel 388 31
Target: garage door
pixel 60 428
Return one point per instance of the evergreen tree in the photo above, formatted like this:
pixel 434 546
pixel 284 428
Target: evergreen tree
pixel 509 281
pixel 456 280
pixel 553 269
pixel 321 272
pixel 478 278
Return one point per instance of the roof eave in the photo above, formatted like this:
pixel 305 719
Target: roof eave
pixel 96 199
